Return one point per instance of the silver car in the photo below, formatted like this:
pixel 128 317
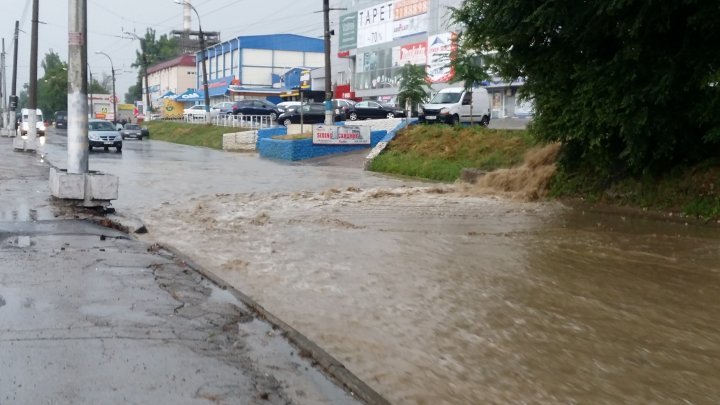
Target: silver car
pixel 131 131
pixel 102 133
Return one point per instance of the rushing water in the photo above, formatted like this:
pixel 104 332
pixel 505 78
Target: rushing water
pixel 444 298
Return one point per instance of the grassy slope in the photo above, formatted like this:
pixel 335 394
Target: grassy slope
pixel 439 152
pixel 209 136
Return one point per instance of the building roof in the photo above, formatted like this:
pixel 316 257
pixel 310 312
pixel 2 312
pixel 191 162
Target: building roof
pixel 277 42
pixel 182 60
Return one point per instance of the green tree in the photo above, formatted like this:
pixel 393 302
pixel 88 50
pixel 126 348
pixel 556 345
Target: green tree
pixel 412 86
pixel 52 87
pixel 468 66
pixel 629 86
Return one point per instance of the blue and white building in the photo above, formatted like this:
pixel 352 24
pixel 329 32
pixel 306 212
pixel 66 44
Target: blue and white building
pixel 255 66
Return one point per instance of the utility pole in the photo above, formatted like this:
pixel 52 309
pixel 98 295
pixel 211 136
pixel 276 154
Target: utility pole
pixel 328 70
pixel 77 132
pixel 13 92
pixel 32 91
pixel 202 53
pixel 114 98
pixel 3 86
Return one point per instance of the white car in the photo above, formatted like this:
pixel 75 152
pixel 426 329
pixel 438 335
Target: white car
pixel 24 124
pixel 287 106
pixel 195 112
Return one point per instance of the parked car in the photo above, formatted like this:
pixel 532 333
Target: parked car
pixel 313 113
pixel 223 108
pixel 286 106
pixel 372 110
pixel 145 131
pixel 451 105
pixel 131 131
pixel 24 122
pixel 342 106
pixel 194 112
pixel 256 107
pixel 103 134
pixel 61 119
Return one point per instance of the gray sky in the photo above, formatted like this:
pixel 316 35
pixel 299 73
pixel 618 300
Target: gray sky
pixel 107 20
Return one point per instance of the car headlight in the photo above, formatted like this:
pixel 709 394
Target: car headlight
pixel 94 137
pixel 118 137
pixel 445 111
pixel 420 109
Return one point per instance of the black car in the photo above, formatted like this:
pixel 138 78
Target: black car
pixel 256 107
pixel 61 120
pixel 132 131
pixel 312 113
pixel 365 110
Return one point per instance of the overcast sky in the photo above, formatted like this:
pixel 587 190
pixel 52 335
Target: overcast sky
pixel 107 20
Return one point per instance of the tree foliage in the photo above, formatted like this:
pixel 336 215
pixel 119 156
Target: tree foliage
pixel 152 51
pixel 412 86
pixel 52 88
pixel 628 86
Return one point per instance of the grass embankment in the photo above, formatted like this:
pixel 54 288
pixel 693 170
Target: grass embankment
pixel 439 152
pixel 209 136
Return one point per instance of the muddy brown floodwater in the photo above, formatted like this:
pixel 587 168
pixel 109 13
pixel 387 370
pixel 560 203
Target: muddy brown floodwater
pixel 439 297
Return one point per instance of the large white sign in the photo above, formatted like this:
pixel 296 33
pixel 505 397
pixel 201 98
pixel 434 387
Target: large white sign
pixel 439 49
pixel 415 54
pixel 410 26
pixel 341 135
pixel 375 25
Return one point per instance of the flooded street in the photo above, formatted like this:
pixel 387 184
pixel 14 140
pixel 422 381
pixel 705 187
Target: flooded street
pixel 437 296
pixel 444 298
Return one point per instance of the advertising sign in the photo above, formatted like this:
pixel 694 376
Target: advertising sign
pixel 439 48
pixel 171 109
pixel 348 32
pixel 375 25
pixel 341 135
pixel 415 54
pixel 410 26
pixel 408 8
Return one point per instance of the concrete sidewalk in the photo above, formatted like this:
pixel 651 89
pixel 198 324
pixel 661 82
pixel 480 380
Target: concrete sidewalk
pixel 89 315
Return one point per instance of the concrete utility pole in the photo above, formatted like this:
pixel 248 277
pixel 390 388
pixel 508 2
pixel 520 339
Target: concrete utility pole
pixel 3 86
pixel 77 133
pixel 328 70
pixel 32 91
pixel 114 100
pixel 202 53
pixel 148 105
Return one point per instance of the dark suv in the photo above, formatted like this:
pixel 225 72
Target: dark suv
pixel 255 107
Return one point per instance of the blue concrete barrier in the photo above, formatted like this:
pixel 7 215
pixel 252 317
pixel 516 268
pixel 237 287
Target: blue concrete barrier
pixel 300 149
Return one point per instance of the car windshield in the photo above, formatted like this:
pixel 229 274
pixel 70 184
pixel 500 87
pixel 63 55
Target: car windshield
pixel 132 126
pixel 101 126
pixel 445 98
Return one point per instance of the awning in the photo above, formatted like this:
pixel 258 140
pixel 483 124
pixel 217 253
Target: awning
pixel 169 94
pixel 218 87
pixel 190 95
pixel 255 90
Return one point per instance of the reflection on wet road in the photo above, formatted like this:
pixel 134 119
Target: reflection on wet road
pixel 444 298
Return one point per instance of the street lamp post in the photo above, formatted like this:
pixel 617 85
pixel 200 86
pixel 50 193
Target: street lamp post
pixel 202 53
pixel 148 106
pixel 114 99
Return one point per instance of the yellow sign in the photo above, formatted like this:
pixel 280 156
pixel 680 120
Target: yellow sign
pixel 125 107
pixel 172 109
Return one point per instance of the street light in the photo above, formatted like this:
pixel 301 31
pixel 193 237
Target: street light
pixel 202 53
pixel 112 69
pixel 148 106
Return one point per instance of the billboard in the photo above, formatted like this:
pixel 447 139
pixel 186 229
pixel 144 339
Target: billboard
pixel 375 25
pixel 415 54
pixel 341 135
pixel 410 17
pixel 438 60
pixel 348 32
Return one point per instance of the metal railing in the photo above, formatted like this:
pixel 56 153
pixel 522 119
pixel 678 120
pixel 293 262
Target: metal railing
pixel 234 121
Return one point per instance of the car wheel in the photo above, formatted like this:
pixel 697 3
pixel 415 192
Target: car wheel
pixel 391 115
pixel 455 120
pixel 287 122
pixel 273 117
pixel 353 116
pixel 118 149
pixel 485 121
pixel 107 149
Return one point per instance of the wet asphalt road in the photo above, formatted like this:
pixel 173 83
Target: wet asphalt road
pixel 89 316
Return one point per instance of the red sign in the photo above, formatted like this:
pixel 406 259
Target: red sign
pixel 343 54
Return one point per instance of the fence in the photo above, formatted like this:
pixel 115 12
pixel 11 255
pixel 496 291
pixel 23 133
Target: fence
pixel 234 121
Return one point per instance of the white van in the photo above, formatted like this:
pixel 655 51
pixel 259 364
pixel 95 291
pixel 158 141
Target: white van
pixel 452 106
pixel 24 125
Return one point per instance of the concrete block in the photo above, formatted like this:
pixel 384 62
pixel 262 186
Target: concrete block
pixel 65 185
pixel 8 132
pixel 101 186
pixel 240 141
pixel 89 187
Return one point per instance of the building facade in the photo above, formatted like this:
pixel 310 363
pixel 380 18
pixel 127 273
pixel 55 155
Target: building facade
pixel 255 66
pixel 175 75
pixel 374 39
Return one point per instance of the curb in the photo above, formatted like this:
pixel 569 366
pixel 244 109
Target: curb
pixel 331 366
